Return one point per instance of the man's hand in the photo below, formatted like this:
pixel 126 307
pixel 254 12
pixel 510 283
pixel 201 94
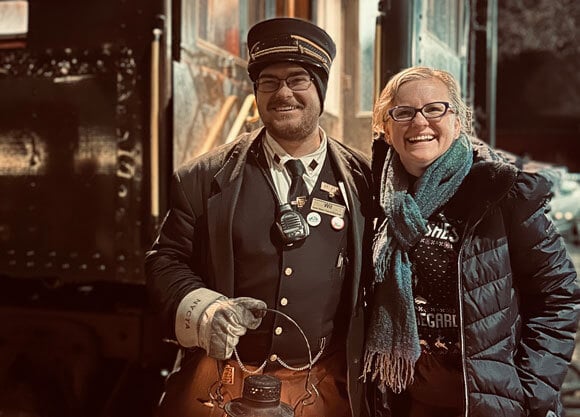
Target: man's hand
pixel 226 320
pixel 212 321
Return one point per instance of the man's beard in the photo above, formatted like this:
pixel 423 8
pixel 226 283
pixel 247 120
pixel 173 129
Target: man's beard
pixel 293 132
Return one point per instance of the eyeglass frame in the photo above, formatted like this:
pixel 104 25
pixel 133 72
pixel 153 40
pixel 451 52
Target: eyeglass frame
pixel 448 107
pixel 285 80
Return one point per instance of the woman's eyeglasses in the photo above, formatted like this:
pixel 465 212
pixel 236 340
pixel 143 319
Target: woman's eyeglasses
pixel 429 111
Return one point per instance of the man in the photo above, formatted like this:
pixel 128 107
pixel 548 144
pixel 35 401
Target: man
pixel 243 235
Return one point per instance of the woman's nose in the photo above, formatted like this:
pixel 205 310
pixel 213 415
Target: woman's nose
pixel 419 119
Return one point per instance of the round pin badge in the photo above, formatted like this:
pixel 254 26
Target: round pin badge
pixel 337 223
pixel 313 219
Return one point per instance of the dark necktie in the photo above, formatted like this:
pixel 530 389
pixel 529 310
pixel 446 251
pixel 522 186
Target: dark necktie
pixel 298 186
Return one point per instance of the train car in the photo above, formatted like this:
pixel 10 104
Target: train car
pixel 100 101
pixel 75 213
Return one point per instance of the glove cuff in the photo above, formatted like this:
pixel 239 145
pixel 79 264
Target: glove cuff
pixel 189 315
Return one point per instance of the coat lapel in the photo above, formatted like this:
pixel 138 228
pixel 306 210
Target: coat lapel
pixel 348 174
pixel 221 207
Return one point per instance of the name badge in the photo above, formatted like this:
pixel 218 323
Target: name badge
pixel 327 207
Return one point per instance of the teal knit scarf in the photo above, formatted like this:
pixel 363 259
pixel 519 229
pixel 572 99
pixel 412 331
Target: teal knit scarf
pixel 392 345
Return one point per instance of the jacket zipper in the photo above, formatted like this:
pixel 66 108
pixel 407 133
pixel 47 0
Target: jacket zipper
pixel 462 332
pixel 461 320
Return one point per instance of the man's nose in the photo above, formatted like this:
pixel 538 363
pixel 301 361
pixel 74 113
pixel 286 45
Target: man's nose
pixel 284 89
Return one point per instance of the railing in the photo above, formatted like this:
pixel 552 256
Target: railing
pixel 248 113
pixel 243 117
pixel 218 124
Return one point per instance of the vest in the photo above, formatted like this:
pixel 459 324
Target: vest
pixel 304 280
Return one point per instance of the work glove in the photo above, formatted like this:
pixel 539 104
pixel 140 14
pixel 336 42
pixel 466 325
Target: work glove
pixel 214 322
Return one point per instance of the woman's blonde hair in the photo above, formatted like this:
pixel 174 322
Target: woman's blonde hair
pixel 387 97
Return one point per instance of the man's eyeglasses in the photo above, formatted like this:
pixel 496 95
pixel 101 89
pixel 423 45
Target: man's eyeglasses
pixel 294 83
pixel 429 111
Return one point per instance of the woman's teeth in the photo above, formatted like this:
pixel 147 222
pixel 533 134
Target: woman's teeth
pixel 422 138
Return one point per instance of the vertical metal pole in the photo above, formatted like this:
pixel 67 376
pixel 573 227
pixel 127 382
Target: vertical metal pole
pixel 290 8
pixel 491 41
pixel 471 55
pixel 378 64
pixel 154 124
pixel 396 20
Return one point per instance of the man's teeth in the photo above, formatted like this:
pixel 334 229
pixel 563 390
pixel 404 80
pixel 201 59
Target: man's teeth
pixel 422 138
pixel 285 108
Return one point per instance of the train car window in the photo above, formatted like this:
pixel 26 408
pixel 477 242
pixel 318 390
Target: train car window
pixel 440 35
pixel 13 20
pixel 222 25
pixel 367 17
pixel 442 21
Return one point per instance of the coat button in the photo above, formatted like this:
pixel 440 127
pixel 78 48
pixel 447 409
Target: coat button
pixel 273 357
pixel 278 331
pixel 283 301
pixel 288 271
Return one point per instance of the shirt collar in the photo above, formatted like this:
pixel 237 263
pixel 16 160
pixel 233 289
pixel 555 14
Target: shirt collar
pixel 277 156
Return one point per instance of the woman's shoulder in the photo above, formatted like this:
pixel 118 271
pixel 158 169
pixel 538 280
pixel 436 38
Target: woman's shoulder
pixel 523 179
pixel 501 182
pixel 531 185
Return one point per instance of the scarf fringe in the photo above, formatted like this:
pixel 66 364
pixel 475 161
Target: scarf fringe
pixel 394 371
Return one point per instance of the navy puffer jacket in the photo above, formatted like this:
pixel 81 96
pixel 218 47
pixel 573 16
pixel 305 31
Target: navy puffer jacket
pixel 518 299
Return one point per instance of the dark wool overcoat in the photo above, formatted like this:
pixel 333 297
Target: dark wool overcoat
pixel 195 249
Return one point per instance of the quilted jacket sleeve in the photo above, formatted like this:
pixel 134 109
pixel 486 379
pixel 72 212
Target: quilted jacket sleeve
pixel 545 279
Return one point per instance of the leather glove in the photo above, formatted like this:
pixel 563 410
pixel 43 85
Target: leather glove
pixel 213 322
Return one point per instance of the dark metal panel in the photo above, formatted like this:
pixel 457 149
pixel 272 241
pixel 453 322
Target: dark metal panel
pixel 71 180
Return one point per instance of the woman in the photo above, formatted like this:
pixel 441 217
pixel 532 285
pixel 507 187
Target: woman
pixel 474 297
